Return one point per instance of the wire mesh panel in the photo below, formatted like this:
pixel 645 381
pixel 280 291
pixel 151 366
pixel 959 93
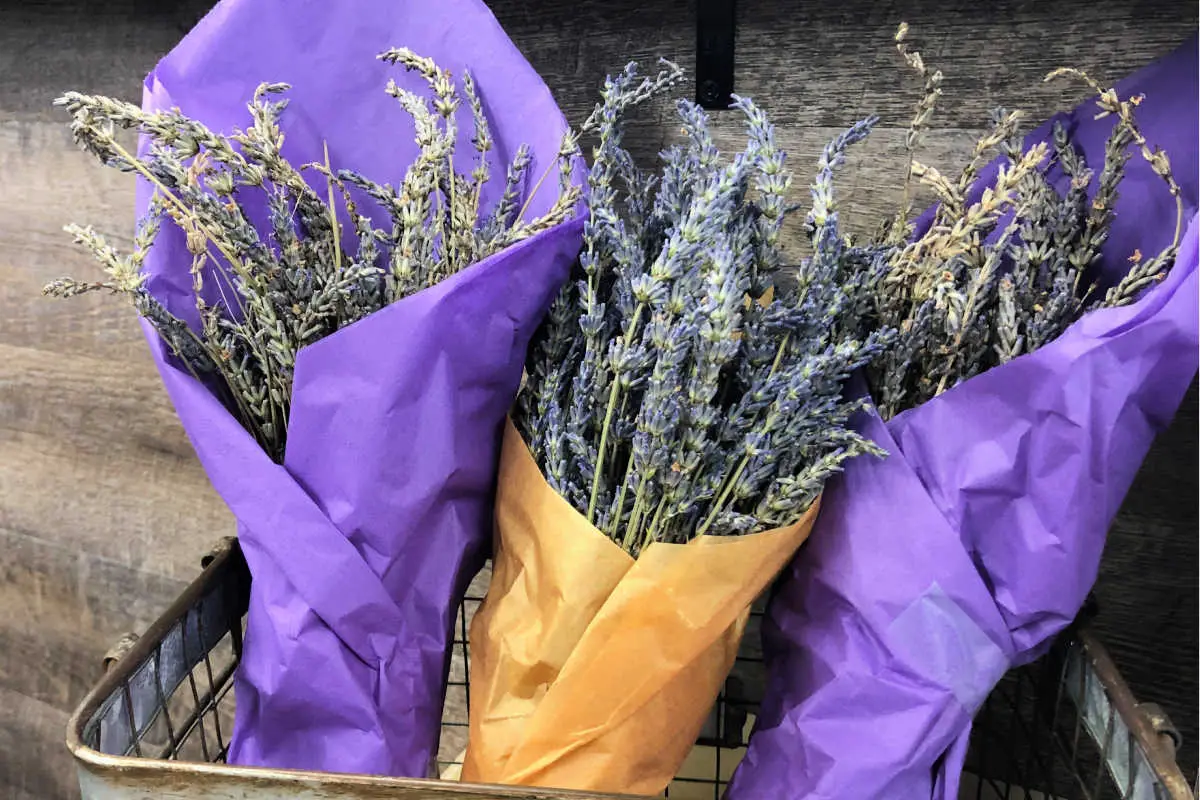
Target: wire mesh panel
pixel 453 741
pixel 1062 728
pixel 1067 727
pixel 175 697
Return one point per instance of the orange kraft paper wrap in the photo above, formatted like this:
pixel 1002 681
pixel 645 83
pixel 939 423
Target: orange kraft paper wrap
pixel 592 670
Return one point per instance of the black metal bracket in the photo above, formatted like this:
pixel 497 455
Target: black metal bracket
pixel 715 33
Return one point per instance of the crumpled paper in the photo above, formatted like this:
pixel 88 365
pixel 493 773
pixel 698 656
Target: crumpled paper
pixel 933 571
pixel 592 670
pixel 362 542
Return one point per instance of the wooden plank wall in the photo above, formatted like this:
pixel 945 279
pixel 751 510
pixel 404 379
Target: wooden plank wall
pixel 104 511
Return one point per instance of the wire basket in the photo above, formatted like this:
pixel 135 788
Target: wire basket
pixel 157 724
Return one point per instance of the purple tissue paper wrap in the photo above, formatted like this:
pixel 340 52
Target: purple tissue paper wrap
pixel 931 572
pixel 362 542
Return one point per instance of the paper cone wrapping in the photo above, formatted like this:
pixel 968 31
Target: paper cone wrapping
pixel 592 670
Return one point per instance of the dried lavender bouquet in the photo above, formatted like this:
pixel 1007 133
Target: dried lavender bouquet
pixel 273 295
pixel 344 390
pixel 684 385
pixel 683 410
pixel 986 281
pixel 976 541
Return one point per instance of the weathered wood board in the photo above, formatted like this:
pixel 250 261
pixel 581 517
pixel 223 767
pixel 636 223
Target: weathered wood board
pixel 105 512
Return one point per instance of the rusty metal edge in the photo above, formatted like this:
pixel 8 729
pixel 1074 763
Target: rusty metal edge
pixel 1161 760
pixel 134 769
pixel 129 769
pixel 120 670
pixel 148 773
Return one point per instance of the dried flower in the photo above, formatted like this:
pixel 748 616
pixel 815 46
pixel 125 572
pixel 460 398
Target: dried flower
pixel 262 296
pixel 987 282
pixel 680 386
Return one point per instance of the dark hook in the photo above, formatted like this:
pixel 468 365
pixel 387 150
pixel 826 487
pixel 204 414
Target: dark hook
pixel 715 35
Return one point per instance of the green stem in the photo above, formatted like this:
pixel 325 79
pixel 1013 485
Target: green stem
pixel 148 175
pixel 1178 219
pixel 529 199
pixel 729 484
pixel 608 415
pixel 620 504
pixel 768 423
pixel 613 394
pixel 615 520
pixel 652 529
pixel 448 239
pixel 333 220
pixel 635 516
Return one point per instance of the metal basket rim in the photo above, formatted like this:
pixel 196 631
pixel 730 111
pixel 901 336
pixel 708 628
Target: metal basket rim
pixel 131 766
pixel 228 548
pixel 122 668
pixel 1163 763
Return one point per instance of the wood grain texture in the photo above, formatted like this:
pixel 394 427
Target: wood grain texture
pixel 34 763
pixel 1147 593
pixel 104 511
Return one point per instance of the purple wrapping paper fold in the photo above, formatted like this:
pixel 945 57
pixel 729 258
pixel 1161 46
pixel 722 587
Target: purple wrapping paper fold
pixel 931 572
pixel 362 542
